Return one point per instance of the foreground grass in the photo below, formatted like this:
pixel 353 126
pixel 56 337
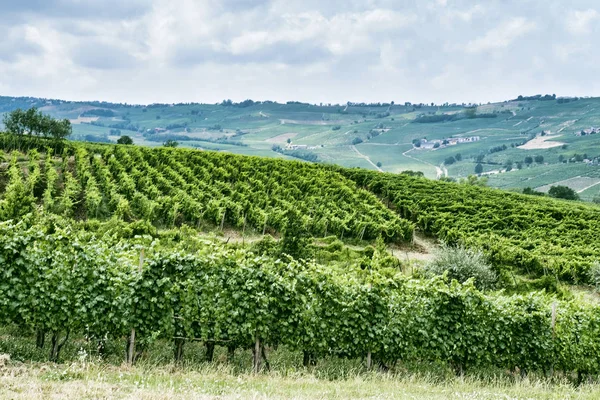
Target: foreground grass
pixel 83 375
pixel 96 380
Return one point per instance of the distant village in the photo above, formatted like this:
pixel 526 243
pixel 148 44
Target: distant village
pixel 434 144
pixel 585 132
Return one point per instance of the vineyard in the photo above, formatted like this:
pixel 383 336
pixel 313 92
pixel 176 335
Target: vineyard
pixel 102 242
pixel 59 280
pixel 173 187
pixel 535 235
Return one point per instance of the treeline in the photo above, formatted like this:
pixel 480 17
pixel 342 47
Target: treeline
pixel 305 155
pixel 428 119
pixel 181 289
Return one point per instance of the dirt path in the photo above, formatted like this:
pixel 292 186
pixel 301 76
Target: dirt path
pixel 366 158
pixel 586 188
pixel 438 170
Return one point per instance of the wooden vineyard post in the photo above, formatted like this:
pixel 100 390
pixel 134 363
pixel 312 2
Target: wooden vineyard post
pixel 257 355
pixel 553 324
pixel 223 219
pixel 131 349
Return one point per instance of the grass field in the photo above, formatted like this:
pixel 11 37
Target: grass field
pixel 382 134
pixel 95 381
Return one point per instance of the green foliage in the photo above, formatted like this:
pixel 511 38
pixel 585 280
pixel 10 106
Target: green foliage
pixel 66 281
pixel 296 238
pixel 537 235
pixel 18 199
pixel 171 143
pixel 462 264
pixel 32 122
pixel 125 140
pixel 170 187
pixel 594 275
pixel 563 192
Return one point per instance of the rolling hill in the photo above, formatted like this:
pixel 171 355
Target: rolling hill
pixel 532 142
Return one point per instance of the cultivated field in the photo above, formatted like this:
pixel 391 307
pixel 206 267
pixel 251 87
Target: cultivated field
pixel 507 133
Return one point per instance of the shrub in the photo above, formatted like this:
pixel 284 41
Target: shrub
pixel 594 275
pixel 461 264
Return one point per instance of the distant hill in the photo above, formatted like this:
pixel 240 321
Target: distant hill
pixel 531 141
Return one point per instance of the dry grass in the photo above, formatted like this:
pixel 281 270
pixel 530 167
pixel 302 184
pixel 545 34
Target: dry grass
pixel 94 381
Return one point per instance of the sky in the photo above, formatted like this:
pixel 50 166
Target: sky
pixel 330 51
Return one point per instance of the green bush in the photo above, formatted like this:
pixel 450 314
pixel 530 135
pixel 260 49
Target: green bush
pixel 594 275
pixel 462 264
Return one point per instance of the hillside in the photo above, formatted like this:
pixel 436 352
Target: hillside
pixel 111 246
pixel 531 142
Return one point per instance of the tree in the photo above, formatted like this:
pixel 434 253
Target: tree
pixel 171 143
pixel 436 145
pixel 478 168
pixel 519 165
pixel 379 164
pixel 356 140
pixel 474 181
pixel 528 160
pixel 561 158
pixel 125 140
pixel 471 112
pixel 289 141
pixel 458 156
pixel 539 159
pixel 563 192
pixel 449 160
pixel 35 123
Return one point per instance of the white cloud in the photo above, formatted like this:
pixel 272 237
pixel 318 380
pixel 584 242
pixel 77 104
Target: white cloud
pixel 578 22
pixel 308 50
pixel 502 36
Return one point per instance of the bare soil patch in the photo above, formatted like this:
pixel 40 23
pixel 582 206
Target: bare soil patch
pixel 542 142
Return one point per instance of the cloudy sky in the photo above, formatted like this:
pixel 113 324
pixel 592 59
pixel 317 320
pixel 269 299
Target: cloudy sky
pixel 145 51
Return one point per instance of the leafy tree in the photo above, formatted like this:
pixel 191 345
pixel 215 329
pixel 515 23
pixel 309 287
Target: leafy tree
pixel 458 157
pixel 436 145
pixel 563 192
pixel 450 160
pixel 125 140
pixel 357 140
pixel 412 173
pixel 474 181
pixel 171 143
pixel 379 164
pixel 35 123
pixel 528 160
pixel 539 159
pixel 478 168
